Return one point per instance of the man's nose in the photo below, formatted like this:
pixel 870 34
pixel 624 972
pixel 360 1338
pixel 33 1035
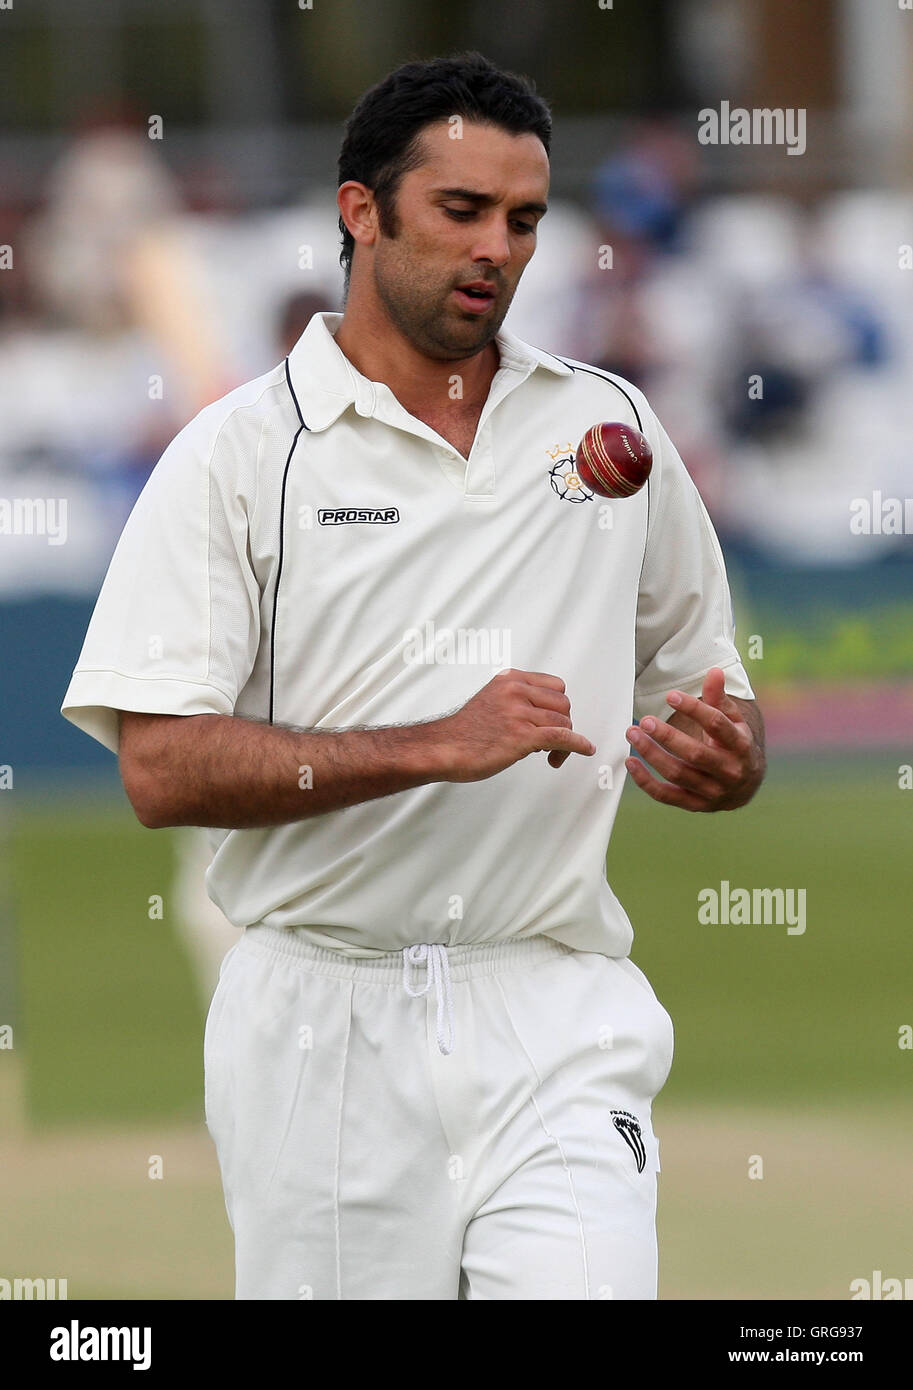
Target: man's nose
pixel 493 244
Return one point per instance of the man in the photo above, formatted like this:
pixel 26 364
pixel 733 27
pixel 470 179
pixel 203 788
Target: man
pixel 348 614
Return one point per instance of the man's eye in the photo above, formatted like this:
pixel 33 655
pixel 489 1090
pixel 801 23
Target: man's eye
pixel 460 213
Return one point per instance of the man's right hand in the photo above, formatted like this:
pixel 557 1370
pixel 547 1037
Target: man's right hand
pixel 515 714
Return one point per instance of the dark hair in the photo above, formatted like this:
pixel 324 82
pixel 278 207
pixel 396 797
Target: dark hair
pixel 381 142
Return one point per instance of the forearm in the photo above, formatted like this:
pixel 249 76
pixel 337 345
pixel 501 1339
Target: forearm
pixel 238 774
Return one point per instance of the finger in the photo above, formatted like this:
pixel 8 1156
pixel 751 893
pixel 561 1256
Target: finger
pixel 708 758
pixel 719 698
pixel 556 759
pixel 665 792
pixel 564 741
pixel 544 698
pixel 541 678
pixel 717 724
pixel 713 687
pixel 731 707
pixel 714 693
pixel 675 770
pixel 547 718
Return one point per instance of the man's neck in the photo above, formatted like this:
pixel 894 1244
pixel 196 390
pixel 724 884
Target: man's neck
pixel 377 350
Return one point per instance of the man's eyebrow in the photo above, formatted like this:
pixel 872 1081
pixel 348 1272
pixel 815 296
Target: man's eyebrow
pixel 486 199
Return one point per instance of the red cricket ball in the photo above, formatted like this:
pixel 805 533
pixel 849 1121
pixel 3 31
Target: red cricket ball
pixel 614 459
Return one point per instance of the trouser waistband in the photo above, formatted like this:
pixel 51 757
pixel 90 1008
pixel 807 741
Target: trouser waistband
pixel 442 964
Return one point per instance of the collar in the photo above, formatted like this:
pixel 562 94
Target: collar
pixel 325 383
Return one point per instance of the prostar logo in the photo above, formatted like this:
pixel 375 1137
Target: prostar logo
pixel 346 516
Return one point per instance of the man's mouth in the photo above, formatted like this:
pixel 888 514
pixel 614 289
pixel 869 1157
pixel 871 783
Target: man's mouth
pixel 476 296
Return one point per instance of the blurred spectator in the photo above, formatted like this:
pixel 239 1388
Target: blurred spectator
pixel 295 315
pixel 107 191
pixel 647 310
pixel 793 337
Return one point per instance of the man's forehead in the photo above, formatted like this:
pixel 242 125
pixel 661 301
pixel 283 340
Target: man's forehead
pixel 474 148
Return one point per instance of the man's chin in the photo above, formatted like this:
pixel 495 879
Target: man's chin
pixel 462 332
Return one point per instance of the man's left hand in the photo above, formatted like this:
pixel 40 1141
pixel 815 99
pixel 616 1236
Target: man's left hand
pixel 710 751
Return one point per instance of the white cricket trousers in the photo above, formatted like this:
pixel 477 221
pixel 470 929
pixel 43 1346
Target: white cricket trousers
pixel 461 1122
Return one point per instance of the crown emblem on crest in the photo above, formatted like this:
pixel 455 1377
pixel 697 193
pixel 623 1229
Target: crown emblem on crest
pixel 563 475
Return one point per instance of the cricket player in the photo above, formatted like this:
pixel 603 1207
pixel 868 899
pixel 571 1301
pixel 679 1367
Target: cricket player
pixel 345 628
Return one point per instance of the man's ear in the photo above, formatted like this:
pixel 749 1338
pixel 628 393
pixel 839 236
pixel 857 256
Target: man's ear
pixel 358 211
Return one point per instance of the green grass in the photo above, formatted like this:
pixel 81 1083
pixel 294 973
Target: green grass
pixel 111 1028
pixel 761 1015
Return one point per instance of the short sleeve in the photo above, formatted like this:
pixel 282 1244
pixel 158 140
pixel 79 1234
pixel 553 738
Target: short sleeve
pixel 685 622
pixel 175 629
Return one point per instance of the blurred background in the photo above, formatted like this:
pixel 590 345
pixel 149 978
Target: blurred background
pixel 167 228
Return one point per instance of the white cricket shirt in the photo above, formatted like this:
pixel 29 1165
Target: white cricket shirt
pixel 306 551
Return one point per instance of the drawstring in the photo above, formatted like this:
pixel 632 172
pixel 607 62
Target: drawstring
pixel 437 968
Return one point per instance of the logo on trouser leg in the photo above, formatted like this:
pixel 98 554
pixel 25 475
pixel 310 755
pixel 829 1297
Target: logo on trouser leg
pixel 628 1127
